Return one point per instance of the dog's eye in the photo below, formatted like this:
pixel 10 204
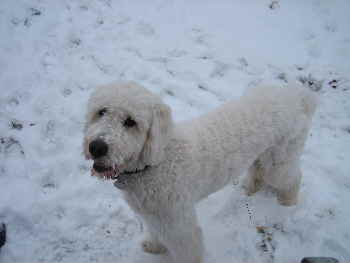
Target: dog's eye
pixel 102 112
pixel 129 122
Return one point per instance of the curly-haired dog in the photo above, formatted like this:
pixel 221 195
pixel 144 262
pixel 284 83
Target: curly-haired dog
pixel 164 169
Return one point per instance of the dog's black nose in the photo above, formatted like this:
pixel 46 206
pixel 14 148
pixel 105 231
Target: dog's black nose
pixel 98 148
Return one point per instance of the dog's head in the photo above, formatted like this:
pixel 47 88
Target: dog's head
pixel 127 128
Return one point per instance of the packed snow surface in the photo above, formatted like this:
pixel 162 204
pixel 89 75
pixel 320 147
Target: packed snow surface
pixel 196 55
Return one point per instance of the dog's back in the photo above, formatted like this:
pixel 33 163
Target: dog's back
pixel 293 92
pixel 229 139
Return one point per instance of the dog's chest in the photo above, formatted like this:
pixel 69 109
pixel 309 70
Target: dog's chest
pixel 143 200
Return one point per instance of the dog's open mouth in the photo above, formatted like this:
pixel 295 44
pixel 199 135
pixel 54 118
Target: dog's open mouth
pixel 105 172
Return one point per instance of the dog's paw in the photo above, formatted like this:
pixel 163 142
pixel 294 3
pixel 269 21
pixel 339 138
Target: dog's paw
pixel 287 202
pixel 248 190
pixel 288 197
pixel 251 186
pixel 153 247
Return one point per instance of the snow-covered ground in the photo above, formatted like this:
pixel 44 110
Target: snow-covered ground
pixel 196 55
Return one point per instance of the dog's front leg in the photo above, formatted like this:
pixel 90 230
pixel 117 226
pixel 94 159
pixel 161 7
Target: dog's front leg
pixel 182 236
pixel 175 227
pixel 151 244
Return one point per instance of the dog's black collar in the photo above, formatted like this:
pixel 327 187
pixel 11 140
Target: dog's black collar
pixel 137 171
pixel 127 177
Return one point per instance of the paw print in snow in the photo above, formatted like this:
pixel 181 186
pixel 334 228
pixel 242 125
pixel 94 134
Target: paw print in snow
pixel 274 5
pixel 145 29
pixel 176 53
pixel 219 70
pixel 330 27
pixel 199 37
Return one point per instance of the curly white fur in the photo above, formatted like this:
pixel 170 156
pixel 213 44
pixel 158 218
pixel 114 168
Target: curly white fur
pixel 264 132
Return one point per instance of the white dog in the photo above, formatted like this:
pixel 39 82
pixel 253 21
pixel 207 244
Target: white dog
pixel 165 169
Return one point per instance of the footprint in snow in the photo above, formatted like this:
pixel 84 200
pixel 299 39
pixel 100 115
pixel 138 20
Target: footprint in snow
pixel 177 53
pixel 199 37
pixel 145 29
pixel 331 26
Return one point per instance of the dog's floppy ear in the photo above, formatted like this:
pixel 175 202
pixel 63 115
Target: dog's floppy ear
pixel 158 134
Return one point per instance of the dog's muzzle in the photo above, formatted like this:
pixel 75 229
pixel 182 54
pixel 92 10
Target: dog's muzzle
pixel 104 172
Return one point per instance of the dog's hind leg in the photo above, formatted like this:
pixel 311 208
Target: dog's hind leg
pixel 285 174
pixel 288 196
pixel 285 177
pixel 254 178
